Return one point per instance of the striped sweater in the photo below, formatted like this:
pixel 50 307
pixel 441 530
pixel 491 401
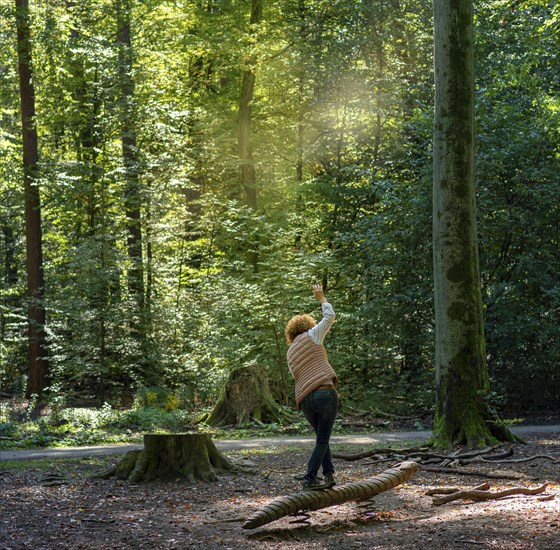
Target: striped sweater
pixel 309 365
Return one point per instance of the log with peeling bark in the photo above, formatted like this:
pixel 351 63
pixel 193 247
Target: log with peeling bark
pixel 477 495
pixel 316 500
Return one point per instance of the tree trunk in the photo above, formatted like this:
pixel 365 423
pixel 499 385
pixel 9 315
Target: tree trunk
pixel 131 161
pixel 462 413
pixel 246 397
pixel 36 361
pixel 133 197
pixel 247 168
pixel 191 456
pixel 88 143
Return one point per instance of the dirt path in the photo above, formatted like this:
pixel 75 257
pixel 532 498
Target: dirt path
pixel 253 443
pixel 79 512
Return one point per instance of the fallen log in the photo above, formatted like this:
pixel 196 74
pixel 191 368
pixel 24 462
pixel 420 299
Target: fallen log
pixel 472 494
pixel 316 500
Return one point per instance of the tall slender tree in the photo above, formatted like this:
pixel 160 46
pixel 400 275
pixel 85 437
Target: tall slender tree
pixel 462 415
pixel 37 354
pixel 247 168
pixel 130 155
pixel 132 189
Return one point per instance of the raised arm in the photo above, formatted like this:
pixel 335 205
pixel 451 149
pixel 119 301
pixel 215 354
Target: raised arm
pixel 321 329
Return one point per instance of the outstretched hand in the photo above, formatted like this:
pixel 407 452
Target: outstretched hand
pixel 318 293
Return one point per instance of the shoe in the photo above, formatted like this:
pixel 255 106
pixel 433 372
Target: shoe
pixel 315 485
pixel 329 480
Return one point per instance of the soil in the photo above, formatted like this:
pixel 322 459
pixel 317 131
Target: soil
pixel 57 504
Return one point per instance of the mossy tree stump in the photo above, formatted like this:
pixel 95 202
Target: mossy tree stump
pixel 191 456
pixel 246 396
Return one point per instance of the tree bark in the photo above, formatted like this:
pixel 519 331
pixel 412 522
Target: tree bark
pixel 131 161
pixel 246 396
pixel 87 140
pixel 316 500
pixel 244 146
pixel 462 413
pixel 190 456
pixel 37 351
pixel 133 196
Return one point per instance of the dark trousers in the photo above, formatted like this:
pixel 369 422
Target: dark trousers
pixel 320 408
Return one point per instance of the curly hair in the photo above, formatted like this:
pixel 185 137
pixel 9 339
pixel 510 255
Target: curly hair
pixel 298 325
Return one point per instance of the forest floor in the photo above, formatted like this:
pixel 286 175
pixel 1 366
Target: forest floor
pixel 53 504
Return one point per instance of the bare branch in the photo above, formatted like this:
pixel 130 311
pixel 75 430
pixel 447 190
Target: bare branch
pixel 485 495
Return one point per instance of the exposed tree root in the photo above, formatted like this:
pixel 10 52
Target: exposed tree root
pixel 167 456
pixel 424 456
pixel 517 460
pixel 381 451
pixel 474 473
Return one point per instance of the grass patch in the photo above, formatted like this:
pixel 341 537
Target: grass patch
pixel 68 465
pixel 78 427
pixel 59 426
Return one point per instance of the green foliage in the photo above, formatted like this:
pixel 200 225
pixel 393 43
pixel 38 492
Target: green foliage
pixel 8 429
pixel 158 398
pixel 518 120
pixel 341 136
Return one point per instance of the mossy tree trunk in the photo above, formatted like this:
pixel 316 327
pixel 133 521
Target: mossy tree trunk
pixel 246 396
pixel 190 456
pixel 462 415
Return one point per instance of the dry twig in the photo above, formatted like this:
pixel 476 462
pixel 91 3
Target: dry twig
pixel 471 494
pixel 547 497
pixel 450 490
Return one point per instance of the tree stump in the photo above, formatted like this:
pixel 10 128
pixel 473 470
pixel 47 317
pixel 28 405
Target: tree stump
pixel 192 456
pixel 246 396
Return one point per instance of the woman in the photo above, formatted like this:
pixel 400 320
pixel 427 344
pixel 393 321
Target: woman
pixel 315 383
